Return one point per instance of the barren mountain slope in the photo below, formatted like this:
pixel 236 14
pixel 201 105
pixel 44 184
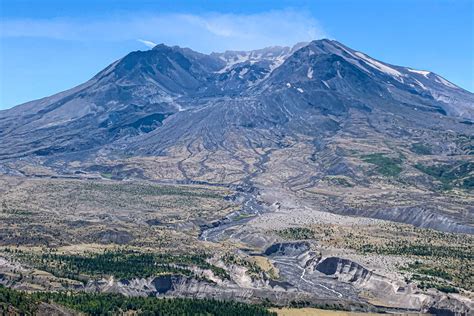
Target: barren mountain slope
pixel 314 113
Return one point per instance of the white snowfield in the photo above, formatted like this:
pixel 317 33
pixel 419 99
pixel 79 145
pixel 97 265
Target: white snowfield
pixel 445 82
pixel 421 72
pixel 379 66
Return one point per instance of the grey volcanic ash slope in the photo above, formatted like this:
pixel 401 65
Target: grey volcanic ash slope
pixel 321 114
pixel 269 88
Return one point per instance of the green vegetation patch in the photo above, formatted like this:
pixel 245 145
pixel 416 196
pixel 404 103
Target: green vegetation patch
pixel 447 264
pixel 340 181
pixel 457 174
pixel 419 267
pixel 425 282
pixel 421 149
pixel 122 264
pixel 441 257
pixel 107 175
pixel 386 166
pixel 423 250
pixel 430 277
pixel 16 303
pixel 242 216
pixel 114 304
pixel 252 267
pixel 148 189
pixel 296 233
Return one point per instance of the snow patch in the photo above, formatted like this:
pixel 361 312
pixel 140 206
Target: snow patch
pixel 379 66
pixel 442 98
pixel 231 62
pixel 171 100
pixel 420 72
pixel 56 123
pixel 277 62
pixel 353 59
pixel 445 82
pixel 254 57
pixel 243 72
pixel 421 85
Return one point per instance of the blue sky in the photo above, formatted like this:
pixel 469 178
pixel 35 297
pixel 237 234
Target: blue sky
pixel 50 45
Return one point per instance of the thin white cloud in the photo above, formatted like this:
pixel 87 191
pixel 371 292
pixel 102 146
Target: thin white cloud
pixel 204 32
pixel 147 43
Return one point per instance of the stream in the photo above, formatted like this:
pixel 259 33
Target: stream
pixel 219 230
